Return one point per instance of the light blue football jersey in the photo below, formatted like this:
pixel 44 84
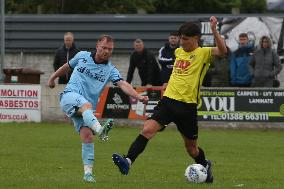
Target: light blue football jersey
pixel 89 78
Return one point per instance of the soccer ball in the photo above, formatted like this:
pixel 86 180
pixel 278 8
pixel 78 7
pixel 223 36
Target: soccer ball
pixel 196 173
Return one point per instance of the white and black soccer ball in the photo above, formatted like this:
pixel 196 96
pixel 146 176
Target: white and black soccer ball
pixel 196 173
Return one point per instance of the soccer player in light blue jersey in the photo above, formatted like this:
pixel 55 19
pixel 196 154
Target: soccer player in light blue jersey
pixel 91 73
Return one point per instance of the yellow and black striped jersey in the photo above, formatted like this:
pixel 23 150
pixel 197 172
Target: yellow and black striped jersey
pixel 188 73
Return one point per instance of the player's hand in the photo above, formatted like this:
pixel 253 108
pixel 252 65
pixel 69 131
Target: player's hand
pixel 143 99
pixel 213 22
pixel 51 84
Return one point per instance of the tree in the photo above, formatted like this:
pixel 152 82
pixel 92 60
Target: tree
pixel 78 6
pixel 209 6
pixel 132 6
pixel 253 6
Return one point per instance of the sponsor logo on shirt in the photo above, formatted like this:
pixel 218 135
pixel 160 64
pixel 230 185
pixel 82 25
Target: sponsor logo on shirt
pixel 100 76
pixel 181 66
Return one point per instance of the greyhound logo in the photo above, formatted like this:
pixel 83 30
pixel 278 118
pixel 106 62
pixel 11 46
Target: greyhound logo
pixel 117 99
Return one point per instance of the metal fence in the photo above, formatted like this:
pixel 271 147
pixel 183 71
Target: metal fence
pixel 44 33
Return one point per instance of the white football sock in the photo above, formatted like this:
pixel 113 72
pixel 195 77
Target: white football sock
pixel 97 128
pixel 129 161
pixel 88 169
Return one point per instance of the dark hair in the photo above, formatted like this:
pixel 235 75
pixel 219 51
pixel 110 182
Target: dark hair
pixel 190 29
pixel 243 35
pixel 174 33
pixel 268 41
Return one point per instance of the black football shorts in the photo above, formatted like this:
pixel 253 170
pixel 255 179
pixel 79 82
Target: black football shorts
pixel 184 115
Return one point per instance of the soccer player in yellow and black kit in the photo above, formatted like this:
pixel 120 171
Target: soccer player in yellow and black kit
pixel 181 98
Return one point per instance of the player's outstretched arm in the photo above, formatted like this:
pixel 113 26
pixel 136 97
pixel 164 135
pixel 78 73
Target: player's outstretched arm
pixel 128 89
pixel 220 48
pixel 60 72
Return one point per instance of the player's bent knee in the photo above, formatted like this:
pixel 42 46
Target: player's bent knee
pixel 148 133
pixel 150 128
pixel 86 107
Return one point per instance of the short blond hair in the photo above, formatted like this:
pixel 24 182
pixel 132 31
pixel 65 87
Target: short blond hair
pixel 107 37
pixel 69 34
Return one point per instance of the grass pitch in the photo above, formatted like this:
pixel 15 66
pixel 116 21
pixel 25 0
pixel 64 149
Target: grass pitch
pixel 48 156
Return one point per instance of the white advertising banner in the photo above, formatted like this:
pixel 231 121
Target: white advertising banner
pixel 20 103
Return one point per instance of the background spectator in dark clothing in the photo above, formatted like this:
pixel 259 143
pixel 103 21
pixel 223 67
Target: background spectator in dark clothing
pixel 167 58
pixel 63 54
pixel 240 75
pixel 265 64
pixel 207 81
pixel 218 72
pixel 145 62
pixel 219 69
